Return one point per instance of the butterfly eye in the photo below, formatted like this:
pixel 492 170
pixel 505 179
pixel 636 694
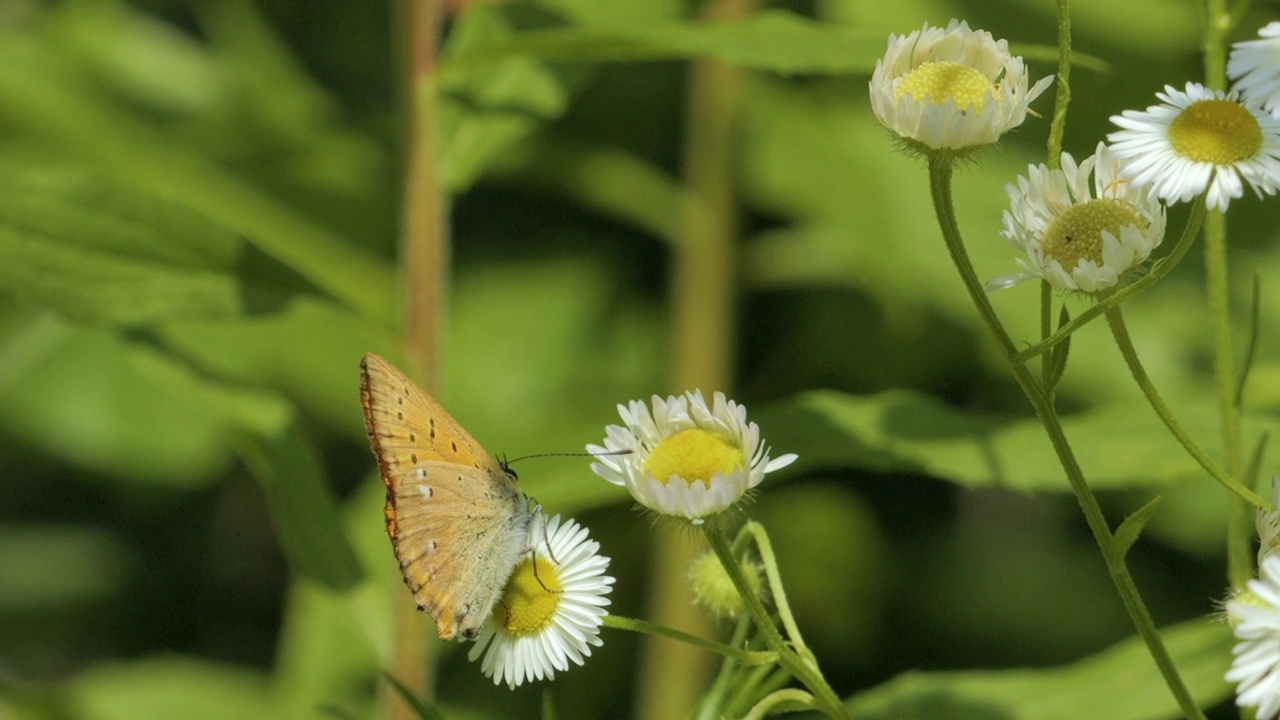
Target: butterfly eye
pixel 511 473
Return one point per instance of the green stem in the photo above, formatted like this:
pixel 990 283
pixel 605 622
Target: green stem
pixel 1121 334
pixel 1053 158
pixel 1239 518
pixel 747 657
pixel 1058 127
pixel 1215 44
pixel 779 594
pixel 714 700
pixel 761 681
pixel 1159 270
pixel 940 187
pixel 772 700
pixel 748 685
pixel 824 698
pixel 1239 524
pixel 1046 329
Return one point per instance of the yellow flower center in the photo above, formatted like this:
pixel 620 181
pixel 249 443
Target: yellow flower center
pixel 530 599
pixel 938 81
pixel 1221 132
pixel 1076 234
pixel 694 454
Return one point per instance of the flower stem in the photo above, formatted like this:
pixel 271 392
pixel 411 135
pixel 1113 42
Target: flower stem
pixel 1239 525
pixel 765 706
pixel 1046 329
pixel 1053 159
pixel 1058 127
pixel 1159 270
pixel 779 594
pixel 1220 22
pixel 716 697
pixel 940 170
pixel 746 657
pixel 804 670
pixel 1115 320
pixel 423 252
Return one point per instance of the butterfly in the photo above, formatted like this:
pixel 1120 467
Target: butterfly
pixel 457 518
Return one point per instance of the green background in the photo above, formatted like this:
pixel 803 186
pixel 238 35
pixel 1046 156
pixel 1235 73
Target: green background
pixel 198 216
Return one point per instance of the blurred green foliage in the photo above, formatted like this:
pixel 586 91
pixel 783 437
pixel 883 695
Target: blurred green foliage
pixel 198 214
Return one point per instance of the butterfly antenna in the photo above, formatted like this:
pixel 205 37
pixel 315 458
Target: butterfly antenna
pixel 504 462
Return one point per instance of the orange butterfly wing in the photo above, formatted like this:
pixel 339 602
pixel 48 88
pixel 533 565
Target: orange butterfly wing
pixel 458 522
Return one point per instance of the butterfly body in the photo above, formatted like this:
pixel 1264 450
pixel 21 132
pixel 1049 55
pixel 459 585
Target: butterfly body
pixel 457 519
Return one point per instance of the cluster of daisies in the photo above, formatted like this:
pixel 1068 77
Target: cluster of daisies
pixel 680 457
pixel 947 91
pixel 1084 226
pixel 952 90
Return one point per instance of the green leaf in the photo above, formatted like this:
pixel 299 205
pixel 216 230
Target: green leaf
pixel 92 563
pixel 148 61
pixel 163 688
pixel 486 110
pixel 309 351
pixel 1127 534
pixel 333 645
pixel 45 94
pixel 606 180
pixel 98 251
pixel 67 389
pixel 266 431
pixel 1120 683
pixel 772 40
pixel 420 706
pixel 900 431
pixel 303 509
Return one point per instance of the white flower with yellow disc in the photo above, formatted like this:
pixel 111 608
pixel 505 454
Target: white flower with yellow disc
pixel 1199 141
pixel 683 458
pixel 1080 235
pixel 951 88
pixel 551 609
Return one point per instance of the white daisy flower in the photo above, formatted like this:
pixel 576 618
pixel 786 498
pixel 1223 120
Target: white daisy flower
pixel 1197 141
pixel 685 459
pixel 551 610
pixel 1077 235
pixel 952 88
pixel 1255 619
pixel 1268 523
pixel 1255 66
